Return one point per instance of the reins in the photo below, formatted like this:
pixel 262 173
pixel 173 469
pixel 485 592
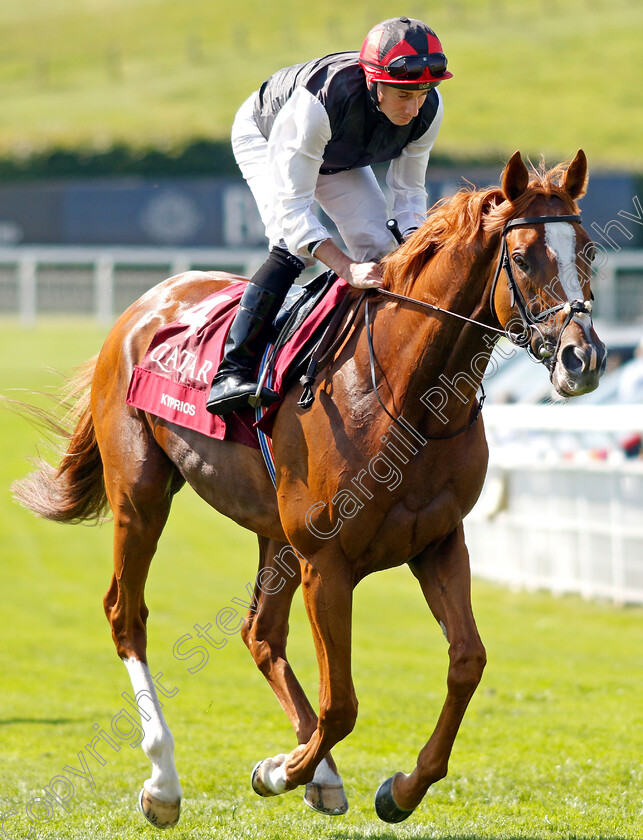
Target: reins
pixel 371 357
pixel 517 298
pixel 435 308
pixel 326 346
pixel 529 321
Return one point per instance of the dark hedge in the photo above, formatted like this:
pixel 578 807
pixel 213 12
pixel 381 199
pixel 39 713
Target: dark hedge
pixel 198 158
pixel 201 157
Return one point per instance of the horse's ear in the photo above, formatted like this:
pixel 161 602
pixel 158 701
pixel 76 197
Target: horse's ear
pixel 515 178
pixel 575 180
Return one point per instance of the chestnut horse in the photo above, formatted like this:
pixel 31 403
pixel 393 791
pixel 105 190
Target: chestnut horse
pixel 380 471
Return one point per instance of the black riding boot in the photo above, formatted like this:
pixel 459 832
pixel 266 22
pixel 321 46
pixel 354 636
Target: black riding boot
pixel 234 382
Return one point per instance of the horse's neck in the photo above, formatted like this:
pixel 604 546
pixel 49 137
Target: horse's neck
pixel 439 359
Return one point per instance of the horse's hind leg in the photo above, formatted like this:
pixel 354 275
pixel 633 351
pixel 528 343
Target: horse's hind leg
pixel 445 580
pixel 265 632
pixel 139 485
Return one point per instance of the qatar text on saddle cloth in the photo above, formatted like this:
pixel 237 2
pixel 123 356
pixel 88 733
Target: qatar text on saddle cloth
pixel 173 379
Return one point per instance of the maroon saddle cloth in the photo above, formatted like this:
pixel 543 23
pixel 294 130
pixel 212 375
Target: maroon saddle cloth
pixel 174 377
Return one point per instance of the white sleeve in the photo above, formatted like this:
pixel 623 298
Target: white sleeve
pixel 406 176
pixel 296 146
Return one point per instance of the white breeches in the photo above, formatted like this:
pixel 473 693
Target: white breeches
pixel 352 199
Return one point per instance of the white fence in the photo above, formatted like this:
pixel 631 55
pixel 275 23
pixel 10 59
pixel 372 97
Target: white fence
pixel 619 288
pixel 104 281
pixel 562 507
pixel 100 281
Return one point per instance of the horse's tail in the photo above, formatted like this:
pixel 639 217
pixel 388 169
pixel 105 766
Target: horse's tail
pixel 75 490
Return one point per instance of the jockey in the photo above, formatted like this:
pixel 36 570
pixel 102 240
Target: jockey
pixel 310 134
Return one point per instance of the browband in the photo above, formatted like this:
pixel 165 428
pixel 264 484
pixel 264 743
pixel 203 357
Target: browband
pixel 533 220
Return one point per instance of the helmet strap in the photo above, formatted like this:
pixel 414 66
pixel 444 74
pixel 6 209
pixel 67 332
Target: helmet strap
pixel 372 89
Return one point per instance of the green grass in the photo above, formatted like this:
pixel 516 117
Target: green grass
pixel 550 747
pixel 537 75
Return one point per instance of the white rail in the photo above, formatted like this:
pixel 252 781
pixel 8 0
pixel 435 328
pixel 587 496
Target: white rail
pixel 25 274
pixel 32 281
pixel 562 507
pixel 612 300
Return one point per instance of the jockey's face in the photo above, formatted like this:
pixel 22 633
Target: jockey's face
pixel 400 105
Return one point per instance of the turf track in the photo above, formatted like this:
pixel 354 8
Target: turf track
pixel 550 748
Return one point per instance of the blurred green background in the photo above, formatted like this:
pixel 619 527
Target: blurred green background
pixel 539 75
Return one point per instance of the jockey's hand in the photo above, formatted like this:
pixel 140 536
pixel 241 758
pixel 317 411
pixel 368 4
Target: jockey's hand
pixel 367 275
pixel 364 275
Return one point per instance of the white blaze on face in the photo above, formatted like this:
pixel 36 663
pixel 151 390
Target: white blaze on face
pixel 560 237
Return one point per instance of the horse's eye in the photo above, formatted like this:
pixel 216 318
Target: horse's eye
pixel 520 261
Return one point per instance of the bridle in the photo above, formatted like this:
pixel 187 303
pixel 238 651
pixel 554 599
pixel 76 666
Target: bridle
pixel 529 320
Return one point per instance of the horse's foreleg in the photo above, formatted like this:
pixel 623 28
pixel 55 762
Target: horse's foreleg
pixel 445 580
pixel 140 512
pixel 265 633
pixel 328 599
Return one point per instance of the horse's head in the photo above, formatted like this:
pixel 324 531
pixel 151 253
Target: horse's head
pixel 541 292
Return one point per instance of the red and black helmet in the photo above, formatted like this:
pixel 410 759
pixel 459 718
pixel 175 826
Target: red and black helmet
pixel 403 52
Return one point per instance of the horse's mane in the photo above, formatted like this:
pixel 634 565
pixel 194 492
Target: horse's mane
pixel 464 219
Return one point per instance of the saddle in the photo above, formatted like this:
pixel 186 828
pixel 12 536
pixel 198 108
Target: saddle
pixel 299 303
pixel 172 380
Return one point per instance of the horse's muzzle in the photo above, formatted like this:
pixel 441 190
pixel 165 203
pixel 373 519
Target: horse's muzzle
pixel 580 362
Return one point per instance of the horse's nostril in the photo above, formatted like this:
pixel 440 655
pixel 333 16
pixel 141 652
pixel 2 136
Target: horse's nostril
pixel 572 359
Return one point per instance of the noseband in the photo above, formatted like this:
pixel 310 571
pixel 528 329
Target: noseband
pixel 529 320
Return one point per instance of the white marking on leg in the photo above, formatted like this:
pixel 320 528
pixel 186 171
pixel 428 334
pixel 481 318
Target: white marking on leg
pixel 325 776
pixel 325 791
pixel 274 775
pixel 158 743
pixel 560 237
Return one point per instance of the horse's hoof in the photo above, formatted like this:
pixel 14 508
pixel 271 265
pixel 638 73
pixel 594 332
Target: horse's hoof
pixel 268 776
pixel 160 814
pixel 386 807
pixel 325 799
pixel 257 782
